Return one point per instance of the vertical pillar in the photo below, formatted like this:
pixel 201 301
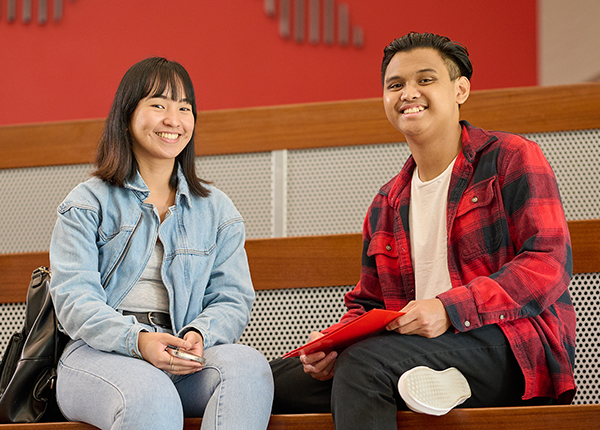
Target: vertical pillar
pixel 279 190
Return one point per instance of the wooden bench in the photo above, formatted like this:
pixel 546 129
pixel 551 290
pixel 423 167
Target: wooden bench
pixel 580 417
pixel 333 260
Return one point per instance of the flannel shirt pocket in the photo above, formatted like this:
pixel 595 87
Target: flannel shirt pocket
pixel 479 227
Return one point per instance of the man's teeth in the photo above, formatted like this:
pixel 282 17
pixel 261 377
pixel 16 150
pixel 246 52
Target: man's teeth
pixel 171 136
pixel 415 109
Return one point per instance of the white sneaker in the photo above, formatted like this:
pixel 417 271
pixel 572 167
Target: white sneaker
pixel 433 392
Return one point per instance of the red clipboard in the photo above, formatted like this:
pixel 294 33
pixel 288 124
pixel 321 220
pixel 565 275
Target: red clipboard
pixel 368 323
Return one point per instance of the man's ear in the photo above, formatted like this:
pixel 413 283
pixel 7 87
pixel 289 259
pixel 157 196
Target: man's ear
pixel 463 89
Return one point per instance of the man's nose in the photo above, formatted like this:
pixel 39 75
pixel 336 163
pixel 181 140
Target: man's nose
pixel 410 92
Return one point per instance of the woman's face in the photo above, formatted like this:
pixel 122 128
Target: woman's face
pixel 161 128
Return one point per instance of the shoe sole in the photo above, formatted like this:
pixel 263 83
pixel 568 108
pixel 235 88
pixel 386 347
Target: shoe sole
pixel 433 392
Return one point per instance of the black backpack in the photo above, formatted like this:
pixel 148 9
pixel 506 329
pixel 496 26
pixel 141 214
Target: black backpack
pixel 28 368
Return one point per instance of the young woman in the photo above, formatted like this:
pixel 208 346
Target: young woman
pixel 148 264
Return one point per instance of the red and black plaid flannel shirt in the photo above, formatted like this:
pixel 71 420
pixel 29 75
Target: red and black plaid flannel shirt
pixel 509 255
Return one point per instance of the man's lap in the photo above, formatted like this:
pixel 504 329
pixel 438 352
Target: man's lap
pixel 483 355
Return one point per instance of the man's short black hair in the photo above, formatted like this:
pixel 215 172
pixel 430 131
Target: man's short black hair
pixel 454 54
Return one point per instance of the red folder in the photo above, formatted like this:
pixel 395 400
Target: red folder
pixel 368 323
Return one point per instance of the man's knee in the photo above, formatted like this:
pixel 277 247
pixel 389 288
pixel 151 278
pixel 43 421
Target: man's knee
pixel 296 392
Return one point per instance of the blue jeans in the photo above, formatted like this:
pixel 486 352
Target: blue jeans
pixel 112 391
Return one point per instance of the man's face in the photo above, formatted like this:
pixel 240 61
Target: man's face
pixel 419 97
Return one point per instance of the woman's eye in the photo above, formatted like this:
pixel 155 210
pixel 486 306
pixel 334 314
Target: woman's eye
pixel 158 106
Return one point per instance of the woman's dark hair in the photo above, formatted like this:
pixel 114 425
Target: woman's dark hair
pixel 454 54
pixel 115 162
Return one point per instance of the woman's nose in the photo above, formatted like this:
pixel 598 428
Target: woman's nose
pixel 172 118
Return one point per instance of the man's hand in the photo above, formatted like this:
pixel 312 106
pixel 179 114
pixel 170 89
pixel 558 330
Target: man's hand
pixel 427 318
pixel 319 365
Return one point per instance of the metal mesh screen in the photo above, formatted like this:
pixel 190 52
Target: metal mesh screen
pixel 584 292
pixel 330 189
pixel 28 204
pixel 12 318
pixel 575 157
pixel 281 320
pixel 246 179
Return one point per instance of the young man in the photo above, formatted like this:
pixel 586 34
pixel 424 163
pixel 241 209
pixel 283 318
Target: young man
pixel 471 242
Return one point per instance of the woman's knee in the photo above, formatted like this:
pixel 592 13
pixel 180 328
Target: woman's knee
pixel 242 365
pixel 237 359
pixel 103 389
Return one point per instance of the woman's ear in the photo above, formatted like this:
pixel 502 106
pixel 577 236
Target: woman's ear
pixel 463 89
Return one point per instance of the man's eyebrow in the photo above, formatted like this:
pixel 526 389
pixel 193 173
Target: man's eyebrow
pixel 427 71
pixel 392 78
pixel 395 77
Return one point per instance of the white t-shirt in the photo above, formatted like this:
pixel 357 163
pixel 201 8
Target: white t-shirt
pixel 428 234
pixel 149 293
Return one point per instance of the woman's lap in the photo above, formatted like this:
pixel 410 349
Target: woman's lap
pixel 108 389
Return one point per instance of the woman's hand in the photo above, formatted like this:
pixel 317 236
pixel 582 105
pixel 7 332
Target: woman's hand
pixel 427 318
pixel 319 365
pixel 153 347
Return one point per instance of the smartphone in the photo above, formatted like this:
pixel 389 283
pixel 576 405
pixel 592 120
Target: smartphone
pixel 176 352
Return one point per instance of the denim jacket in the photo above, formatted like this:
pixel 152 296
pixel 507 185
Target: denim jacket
pixel 104 237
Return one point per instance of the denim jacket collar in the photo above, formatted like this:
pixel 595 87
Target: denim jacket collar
pixel 141 190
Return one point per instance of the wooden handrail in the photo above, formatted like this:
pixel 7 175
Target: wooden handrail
pixel 313 125
pixel 308 261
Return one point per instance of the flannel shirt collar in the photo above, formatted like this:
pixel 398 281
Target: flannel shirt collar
pixel 474 140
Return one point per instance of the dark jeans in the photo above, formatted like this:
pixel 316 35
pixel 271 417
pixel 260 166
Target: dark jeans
pixel 363 393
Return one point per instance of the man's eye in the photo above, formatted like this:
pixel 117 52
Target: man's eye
pixel 394 86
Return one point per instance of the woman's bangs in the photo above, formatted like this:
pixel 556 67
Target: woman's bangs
pixel 165 82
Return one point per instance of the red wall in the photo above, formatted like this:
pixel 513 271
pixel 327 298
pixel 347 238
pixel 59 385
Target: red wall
pixel 70 69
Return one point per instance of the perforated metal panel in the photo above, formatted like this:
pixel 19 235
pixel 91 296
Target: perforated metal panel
pixel 30 196
pixel 28 203
pixel 281 320
pixel 584 290
pixel 12 318
pixel 246 179
pixel 330 189
pixel 575 159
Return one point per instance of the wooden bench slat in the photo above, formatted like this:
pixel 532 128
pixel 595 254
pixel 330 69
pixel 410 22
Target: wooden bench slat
pixel 563 417
pixel 15 274
pixel 307 261
pixel 585 240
